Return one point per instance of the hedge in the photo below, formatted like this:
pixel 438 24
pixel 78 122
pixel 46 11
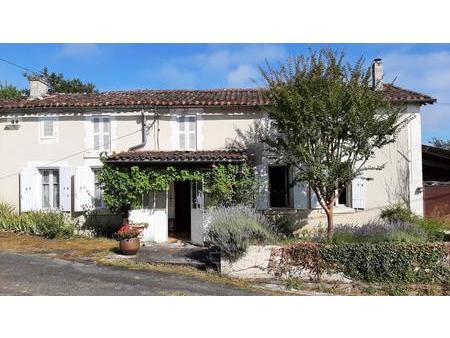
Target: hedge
pixel 388 262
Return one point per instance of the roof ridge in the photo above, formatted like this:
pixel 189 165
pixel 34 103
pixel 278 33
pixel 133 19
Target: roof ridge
pixel 249 97
pixel 176 90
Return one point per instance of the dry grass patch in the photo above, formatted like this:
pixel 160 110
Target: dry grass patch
pixel 72 249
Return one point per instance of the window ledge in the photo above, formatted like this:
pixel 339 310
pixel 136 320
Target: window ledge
pixel 343 210
pixel 91 154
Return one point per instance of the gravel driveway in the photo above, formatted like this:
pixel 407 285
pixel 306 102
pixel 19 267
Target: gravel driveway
pixel 22 274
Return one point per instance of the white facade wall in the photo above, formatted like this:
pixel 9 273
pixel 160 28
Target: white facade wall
pixel 72 147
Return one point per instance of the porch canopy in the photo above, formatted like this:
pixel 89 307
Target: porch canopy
pixel 177 158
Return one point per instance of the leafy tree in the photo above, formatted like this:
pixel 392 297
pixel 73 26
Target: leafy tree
pixel 59 84
pixel 327 121
pixel 123 188
pixel 8 91
pixel 440 143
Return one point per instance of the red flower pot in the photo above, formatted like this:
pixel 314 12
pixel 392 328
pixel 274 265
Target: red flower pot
pixel 129 246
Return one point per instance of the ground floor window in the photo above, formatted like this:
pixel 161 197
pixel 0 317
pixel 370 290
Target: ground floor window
pixel 50 188
pixel 98 191
pixel 279 186
pixel 154 200
pixel 344 199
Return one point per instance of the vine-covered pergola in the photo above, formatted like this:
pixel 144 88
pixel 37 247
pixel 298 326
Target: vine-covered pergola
pixel 226 176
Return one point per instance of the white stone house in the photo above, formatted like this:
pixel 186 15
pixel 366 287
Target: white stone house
pixel 50 146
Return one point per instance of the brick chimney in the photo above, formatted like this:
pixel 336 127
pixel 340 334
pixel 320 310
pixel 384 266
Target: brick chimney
pixel 377 74
pixel 38 87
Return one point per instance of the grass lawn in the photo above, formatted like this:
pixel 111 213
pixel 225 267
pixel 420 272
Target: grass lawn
pixel 69 249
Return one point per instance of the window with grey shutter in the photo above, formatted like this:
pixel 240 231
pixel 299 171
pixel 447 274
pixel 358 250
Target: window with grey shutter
pixel 102 133
pixel 48 127
pixel 187 132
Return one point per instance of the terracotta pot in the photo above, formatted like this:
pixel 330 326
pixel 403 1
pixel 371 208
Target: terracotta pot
pixel 129 246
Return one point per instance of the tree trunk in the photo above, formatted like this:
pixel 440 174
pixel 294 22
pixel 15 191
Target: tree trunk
pixel 125 215
pixel 329 212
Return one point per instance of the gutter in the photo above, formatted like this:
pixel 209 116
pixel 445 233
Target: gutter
pixel 144 130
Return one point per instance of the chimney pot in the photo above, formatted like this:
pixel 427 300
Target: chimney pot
pixel 377 74
pixel 38 87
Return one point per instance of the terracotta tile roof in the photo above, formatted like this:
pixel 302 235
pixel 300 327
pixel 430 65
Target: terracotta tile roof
pixel 397 94
pixel 179 97
pixel 178 157
pixel 426 149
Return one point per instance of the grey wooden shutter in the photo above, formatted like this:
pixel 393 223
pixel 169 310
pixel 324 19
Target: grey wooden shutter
pixel 261 172
pixel 84 185
pixel 65 191
pixel 359 193
pixel 300 193
pixel 29 189
pixel 314 200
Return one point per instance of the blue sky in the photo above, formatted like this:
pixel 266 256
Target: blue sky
pixel 421 67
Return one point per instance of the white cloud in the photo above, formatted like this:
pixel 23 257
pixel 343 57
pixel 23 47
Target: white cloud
pixel 428 73
pixel 242 76
pixel 226 58
pixel 177 78
pixel 221 66
pixel 79 50
pixel 432 70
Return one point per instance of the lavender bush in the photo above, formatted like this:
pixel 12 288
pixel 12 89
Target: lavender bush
pixel 233 229
pixel 376 231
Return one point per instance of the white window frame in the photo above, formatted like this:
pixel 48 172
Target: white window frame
pixel 42 121
pixel 100 133
pixel 102 204
pixel 348 202
pixel 50 184
pixel 183 120
pixel 151 200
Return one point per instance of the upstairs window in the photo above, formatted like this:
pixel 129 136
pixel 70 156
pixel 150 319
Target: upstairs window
pixel 187 132
pixel 102 133
pixel 48 127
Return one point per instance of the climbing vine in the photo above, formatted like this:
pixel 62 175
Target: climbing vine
pixel 224 184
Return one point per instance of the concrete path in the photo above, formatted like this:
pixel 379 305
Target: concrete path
pixel 42 275
pixel 175 253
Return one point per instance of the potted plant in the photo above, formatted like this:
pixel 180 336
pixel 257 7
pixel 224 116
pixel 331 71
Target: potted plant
pixel 128 238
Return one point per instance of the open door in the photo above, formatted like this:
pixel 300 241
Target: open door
pixel 197 213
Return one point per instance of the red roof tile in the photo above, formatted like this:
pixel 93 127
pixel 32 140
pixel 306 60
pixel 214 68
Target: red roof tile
pixel 180 97
pixel 178 157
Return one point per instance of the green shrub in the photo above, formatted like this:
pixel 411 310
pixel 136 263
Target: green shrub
pixel 375 232
pixel 5 210
pixel 286 224
pixel 398 213
pixel 233 229
pixel 378 262
pixel 49 224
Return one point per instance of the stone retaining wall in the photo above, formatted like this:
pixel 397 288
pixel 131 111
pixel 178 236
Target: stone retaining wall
pixel 255 265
